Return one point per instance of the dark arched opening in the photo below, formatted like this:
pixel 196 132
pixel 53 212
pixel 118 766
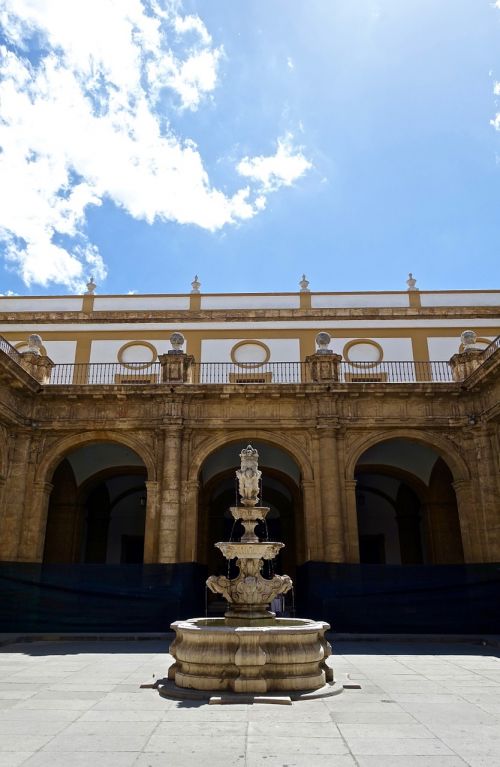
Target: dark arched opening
pixel 97 507
pixel 406 506
pixel 280 491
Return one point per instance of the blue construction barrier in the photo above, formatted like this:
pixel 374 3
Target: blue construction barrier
pixel 443 599
pixel 446 599
pixel 101 598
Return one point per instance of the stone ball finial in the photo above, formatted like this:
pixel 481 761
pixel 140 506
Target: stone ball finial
pixel 468 339
pixel 304 284
pixel 91 286
pixel 35 344
pixel 195 285
pixel 323 342
pixel 411 282
pixel 177 341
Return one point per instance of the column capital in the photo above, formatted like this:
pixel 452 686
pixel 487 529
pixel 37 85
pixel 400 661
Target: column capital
pixel 350 484
pixel 42 486
pixel 307 484
pixel 461 484
pixel 327 425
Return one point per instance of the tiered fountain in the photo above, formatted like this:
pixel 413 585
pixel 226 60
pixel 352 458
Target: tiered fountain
pixel 250 650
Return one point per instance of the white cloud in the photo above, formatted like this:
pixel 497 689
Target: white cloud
pixel 85 123
pixel 281 169
pixel 185 24
pixel 289 63
pixel 496 87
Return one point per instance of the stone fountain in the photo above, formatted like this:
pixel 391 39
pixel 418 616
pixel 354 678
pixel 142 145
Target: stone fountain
pixel 250 650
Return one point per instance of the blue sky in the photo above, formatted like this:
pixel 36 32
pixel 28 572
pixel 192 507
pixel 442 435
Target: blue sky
pixel 249 142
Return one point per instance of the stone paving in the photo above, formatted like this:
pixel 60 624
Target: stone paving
pixel 78 703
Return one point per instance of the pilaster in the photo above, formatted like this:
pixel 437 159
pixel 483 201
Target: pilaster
pixel 14 493
pixel 312 522
pixel 33 533
pixel 331 506
pixel 168 542
pixel 351 517
pixel 470 526
pixel 152 518
pixel 188 544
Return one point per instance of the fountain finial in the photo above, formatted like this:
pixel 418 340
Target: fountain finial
pixel 249 476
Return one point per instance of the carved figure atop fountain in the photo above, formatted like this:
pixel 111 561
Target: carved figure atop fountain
pixel 249 476
pixel 250 593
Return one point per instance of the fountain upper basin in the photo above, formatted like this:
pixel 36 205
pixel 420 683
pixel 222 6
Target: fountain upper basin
pixel 244 550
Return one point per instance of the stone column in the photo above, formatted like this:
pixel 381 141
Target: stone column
pixel 151 527
pixel 352 535
pixel 331 506
pixel 170 495
pixel 471 530
pixel 190 523
pixel 312 523
pixel 33 532
pixel 489 489
pixel 14 505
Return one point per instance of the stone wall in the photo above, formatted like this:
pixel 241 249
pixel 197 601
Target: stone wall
pixel 325 427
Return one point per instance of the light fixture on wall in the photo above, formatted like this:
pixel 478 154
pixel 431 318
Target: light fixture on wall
pixel 142 500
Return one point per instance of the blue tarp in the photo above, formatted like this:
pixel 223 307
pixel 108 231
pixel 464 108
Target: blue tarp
pixel 454 599
pixel 88 597
pixel 461 599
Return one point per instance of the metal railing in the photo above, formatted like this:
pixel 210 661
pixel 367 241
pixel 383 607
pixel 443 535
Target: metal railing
pixel 268 372
pixel 10 350
pixel 491 348
pixel 105 373
pixel 299 372
pixel 110 373
pixel 394 371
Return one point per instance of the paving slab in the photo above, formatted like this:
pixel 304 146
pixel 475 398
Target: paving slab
pixel 79 703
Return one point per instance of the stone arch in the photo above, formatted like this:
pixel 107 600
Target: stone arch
pixel 431 522
pixel 36 514
pixel 57 452
pixel 443 446
pixel 193 511
pixel 279 441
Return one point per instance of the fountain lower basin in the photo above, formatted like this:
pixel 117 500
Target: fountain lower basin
pixel 282 654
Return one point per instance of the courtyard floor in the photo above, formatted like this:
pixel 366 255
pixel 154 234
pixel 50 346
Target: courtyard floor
pixel 78 703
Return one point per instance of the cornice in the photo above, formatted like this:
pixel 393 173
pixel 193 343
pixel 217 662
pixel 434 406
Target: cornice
pixel 252 315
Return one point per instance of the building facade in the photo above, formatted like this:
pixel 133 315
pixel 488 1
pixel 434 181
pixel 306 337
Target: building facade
pixel 379 442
